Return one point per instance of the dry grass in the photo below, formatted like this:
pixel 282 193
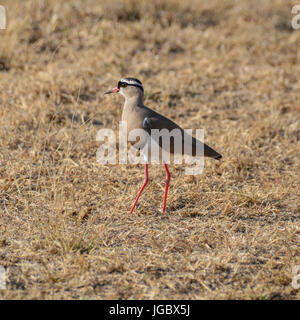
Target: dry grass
pixel 230 67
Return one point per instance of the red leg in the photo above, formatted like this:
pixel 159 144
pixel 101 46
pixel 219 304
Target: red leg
pixel 142 188
pixel 168 177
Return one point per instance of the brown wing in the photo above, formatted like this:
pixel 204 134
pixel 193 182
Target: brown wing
pixel 157 121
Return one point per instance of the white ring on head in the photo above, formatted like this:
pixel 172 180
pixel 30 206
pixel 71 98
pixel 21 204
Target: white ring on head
pixel 131 82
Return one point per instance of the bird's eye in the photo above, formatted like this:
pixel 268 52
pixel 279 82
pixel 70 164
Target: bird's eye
pixel 123 85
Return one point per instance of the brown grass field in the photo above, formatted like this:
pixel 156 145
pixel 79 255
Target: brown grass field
pixel 230 67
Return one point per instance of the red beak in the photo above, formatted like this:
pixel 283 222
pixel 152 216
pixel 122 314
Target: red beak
pixel 114 90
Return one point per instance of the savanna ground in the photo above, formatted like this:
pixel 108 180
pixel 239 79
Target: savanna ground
pixel 230 67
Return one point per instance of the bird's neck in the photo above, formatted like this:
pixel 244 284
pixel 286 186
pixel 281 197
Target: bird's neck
pixel 136 101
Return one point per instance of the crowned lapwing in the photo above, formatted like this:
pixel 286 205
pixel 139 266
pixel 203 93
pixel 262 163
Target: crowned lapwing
pixel 138 116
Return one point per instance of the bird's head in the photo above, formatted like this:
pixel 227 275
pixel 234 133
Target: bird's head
pixel 128 87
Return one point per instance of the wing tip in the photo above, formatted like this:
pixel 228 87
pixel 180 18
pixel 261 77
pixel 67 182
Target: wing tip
pixel 218 157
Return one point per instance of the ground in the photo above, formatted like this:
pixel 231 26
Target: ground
pixel 229 67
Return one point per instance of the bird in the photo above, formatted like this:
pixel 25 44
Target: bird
pixel 138 116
